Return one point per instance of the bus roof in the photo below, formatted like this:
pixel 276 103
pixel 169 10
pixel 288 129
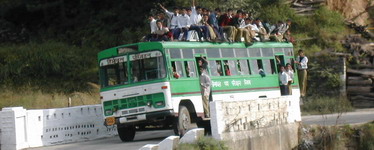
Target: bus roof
pixel 142 46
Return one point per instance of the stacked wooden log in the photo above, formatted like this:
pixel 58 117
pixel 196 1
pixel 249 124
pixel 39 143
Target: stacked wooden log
pixel 360 29
pixel 360 75
pixel 360 86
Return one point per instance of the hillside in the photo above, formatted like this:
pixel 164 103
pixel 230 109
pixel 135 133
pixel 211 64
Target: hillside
pixel 356 11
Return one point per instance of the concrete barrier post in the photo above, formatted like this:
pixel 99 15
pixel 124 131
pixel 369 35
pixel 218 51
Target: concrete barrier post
pixel 13 128
pixel 216 120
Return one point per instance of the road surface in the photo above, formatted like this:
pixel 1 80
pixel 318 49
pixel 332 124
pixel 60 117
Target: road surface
pixel 114 143
pixel 356 117
pixel 154 137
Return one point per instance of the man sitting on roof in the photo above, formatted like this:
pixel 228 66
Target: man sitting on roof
pixel 172 22
pixel 161 32
pixel 183 25
pixel 195 19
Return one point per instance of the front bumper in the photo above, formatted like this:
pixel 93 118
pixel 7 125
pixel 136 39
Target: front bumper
pixel 144 118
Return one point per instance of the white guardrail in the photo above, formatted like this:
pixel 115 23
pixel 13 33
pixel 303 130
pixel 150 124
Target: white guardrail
pixel 251 121
pixel 21 128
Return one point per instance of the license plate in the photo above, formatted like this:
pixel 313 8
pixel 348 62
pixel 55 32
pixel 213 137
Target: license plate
pixel 110 121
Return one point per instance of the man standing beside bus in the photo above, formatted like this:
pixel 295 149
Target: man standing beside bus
pixel 302 66
pixel 205 86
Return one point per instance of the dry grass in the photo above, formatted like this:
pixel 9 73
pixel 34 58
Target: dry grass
pixel 39 100
pixel 347 137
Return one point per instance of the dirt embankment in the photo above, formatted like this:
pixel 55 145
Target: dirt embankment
pixel 354 10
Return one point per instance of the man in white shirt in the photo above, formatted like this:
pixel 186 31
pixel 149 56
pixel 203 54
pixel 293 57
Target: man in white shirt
pixel 161 32
pixel 173 17
pixel 153 27
pixel 283 79
pixel 290 73
pixel 183 25
pixel 276 34
pixel 262 31
pixel 302 66
pixel 252 28
pixel 195 19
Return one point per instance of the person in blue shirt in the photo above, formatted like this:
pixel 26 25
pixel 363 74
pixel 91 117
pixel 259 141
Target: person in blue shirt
pixel 213 21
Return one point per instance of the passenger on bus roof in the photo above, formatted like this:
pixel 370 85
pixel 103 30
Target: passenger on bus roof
pixel 210 31
pixel 183 24
pixel 196 25
pixel 163 19
pixel 225 21
pixel 241 32
pixel 153 27
pixel 161 33
pixel 213 22
pixel 172 22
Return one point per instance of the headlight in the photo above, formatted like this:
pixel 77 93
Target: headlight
pixel 149 103
pixel 160 104
pixel 108 112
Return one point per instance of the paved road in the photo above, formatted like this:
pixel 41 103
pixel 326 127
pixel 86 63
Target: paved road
pixel 357 117
pixel 154 137
pixel 114 143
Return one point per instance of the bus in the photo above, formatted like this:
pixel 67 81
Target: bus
pixel 139 89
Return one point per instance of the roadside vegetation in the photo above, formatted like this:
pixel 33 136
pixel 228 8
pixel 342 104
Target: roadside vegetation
pixel 337 137
pixel 32 99
pixel 52 50
pixel 326 105
pixel 204 143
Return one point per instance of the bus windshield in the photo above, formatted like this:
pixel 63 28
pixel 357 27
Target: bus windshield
pixel 140 67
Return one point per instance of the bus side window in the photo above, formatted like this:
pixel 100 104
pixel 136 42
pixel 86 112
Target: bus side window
pixel 190 69
pixel 270 66
pixel 255 68
pixel 219 67
pixel 233 67
pixel 249 67
pixel 260 66
pixel 226 68
pixel 215 67
pixel 177 69
pixel 243 67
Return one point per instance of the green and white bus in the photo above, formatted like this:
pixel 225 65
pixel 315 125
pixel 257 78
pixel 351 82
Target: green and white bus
pixel 138 88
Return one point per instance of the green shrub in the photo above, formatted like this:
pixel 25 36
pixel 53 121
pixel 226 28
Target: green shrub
pixel 35 99
pixel 367 137
pixel 337 137
pixel 204 143
pixel 324 74
pixel 48 66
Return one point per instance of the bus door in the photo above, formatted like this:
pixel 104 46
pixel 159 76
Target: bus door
pixel 201 61
pixel 279 60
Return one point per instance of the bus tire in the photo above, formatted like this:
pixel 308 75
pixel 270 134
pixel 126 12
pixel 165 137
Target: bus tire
pixel 183 122
pixel 127 133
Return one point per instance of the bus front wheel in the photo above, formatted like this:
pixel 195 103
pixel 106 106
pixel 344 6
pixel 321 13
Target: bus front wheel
pixel 126 134
pixel 184 121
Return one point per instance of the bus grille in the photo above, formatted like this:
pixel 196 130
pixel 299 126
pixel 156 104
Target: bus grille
pixel 133 102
